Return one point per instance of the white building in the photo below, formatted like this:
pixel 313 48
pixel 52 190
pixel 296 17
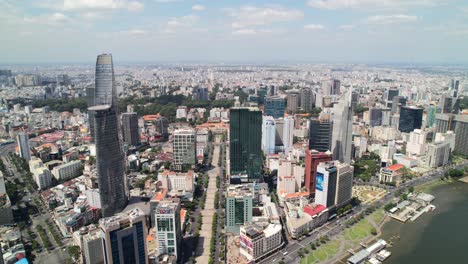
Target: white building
pixel 448 137
pixel 181 112
pixel 181 184
pixel 41 174
pixel 258 239
pixel 22 139
pixel 167 227
pixel 417 143
pixel 68 170
pixel 288 133
pixel 438 154
pixel 268 135
pixel 184 148
pixel 92 247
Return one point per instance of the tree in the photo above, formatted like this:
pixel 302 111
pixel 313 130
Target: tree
pixel 411 189
pixel 74 252
pixel 373 231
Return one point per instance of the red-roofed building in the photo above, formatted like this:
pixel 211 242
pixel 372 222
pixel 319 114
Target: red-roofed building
pixel 391 174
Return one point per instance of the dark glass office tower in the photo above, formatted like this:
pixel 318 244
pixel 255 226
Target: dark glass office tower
pixel 245 135
pixel 109 155
pixel 320 133
pixel 130 133
pixel 275 106
pixel 410 118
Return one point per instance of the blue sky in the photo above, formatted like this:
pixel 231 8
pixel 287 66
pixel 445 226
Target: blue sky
pixel 407 31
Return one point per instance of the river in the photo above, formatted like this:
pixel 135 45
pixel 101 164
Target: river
pixel 436 237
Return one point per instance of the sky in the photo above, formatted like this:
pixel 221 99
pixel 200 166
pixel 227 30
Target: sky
pixel 335 31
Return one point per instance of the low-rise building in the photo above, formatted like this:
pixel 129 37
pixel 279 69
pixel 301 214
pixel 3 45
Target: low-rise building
pixel 179 184
pixel 391 174
pixel 259 238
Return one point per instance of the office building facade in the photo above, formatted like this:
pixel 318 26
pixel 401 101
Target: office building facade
pixel 112 182
pixel 22 139
pixel 325 186
pixel 245 140
pixel 125 237
pixel 342 135
pixel 320 134
pixel 312 160
pixel 239 204
pixel 410 118
pixel 130 130
pixel 167 227
pixel 268 135
pixel 275 106
pixel 293 102
pixel 184 148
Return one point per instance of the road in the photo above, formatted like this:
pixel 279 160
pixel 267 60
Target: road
pixel 203 249
pixel 333 228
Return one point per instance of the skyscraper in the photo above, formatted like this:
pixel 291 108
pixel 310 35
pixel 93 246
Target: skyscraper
pixel 22 139
pixel 288 133
pixel 239 204
pixel 397 102
pixel 312 160
pixel 307 99
pixel 245 140
pixel 131 135
pixel 410 118
pixel 167 227
pixel 109 155
pixel 184 148
pixel 320 133
pixel 268 135
pixel 325 187
pixel 275 106
pixel 390 93
pixel 125 237
pixel 293 102
pixel 375 117
pixel 342 130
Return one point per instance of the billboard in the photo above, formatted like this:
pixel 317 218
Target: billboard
pixel 319 181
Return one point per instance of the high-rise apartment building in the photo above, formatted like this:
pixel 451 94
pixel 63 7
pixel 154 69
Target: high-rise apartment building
pixel 275 106
pixel 268 135
pixel 245 140
pixel 130 130
pixel 22 139
pixel 410 118
pixel 167 227
pixel 185 148
pixel 112 182
pixel 125 237
pixel 417 143
pixel 312 160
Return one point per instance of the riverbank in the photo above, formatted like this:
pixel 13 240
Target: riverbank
pixel 436 237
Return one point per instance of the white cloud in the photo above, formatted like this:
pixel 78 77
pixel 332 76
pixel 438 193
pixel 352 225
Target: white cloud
pixel 244 31
pixel 49 19
pixel 131 5
pixel 167 1
pixel 180 23
pixel 248 16
pixel 198 8
pixel 390 19
pixel 314 27
pixel 379 4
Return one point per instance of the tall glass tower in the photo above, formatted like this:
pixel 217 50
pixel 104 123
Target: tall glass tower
pixel 109 154
pixel 245 137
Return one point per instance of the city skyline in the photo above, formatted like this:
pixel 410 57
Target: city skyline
pixel 360 31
